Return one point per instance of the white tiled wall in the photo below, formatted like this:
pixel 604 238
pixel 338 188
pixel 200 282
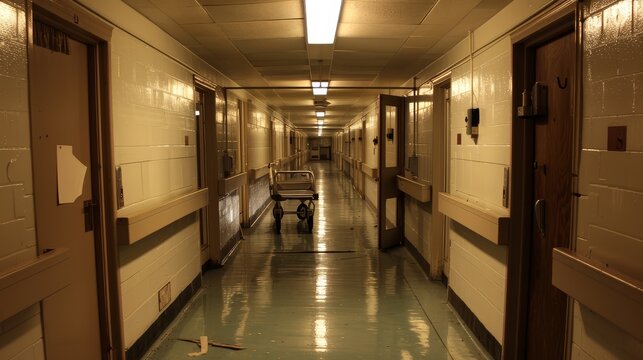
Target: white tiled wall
pixel 258 138
pixel 258 145
pixel 153 115
pixel 478 269
pixel 21 335
pixel 611 182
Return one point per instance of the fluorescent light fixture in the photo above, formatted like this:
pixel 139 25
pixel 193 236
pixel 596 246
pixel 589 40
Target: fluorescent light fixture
pixel 319 133
pixel 320 87
pixel 320 114
pixel 320 121
pixel 322 17
pixel 320 91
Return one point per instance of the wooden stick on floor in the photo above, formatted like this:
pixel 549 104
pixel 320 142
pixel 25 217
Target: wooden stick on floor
pixel 214 344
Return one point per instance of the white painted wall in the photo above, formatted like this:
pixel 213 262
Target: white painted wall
pixel 611 183
pixel 20 335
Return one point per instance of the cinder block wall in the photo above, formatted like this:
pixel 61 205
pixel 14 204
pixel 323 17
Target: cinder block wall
pixel 20 335
pixel 611 183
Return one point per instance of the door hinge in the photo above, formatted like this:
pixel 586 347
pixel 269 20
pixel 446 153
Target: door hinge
pixel 88 209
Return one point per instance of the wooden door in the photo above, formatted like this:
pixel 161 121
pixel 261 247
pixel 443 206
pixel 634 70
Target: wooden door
pixel 59 90
pixel 547 310
pixel 391 164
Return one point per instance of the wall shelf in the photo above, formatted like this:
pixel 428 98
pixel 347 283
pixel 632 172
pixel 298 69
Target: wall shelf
pixel 258 173
pixel 136 222
pixel 370 172
pixel 615 296
pixel 417 189
pixel 29 283
pixel 232 183
pixel 492 224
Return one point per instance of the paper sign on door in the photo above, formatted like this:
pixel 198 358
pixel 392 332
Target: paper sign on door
pixel 71 175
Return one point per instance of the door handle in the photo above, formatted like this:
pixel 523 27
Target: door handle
pixel 539 214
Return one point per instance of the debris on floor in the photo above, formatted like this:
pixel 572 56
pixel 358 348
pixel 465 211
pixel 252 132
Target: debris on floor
pixel 211 343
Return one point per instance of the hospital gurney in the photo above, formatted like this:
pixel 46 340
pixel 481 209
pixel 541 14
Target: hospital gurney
pixel 293 185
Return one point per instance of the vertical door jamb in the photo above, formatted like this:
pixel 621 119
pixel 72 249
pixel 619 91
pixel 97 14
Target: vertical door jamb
pixel 542 27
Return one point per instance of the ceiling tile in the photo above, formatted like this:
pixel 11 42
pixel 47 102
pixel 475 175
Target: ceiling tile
pixel 291 9
pixel 264 29
pixel 380 12
pixel 381 31
pixel 363 44
pixel 250 46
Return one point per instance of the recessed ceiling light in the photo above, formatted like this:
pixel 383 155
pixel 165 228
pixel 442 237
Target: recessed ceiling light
pixel 320 114
pixel 322 17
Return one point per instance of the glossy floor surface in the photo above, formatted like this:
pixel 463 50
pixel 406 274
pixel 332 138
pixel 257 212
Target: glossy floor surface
pixel 327 295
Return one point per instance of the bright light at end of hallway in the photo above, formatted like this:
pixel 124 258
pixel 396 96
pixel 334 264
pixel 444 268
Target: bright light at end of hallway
pixel 322 17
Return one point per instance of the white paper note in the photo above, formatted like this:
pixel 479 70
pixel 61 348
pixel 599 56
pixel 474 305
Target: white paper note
pixel 71 174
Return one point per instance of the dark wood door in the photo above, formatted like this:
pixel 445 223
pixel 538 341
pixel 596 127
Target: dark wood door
pixel 391 164
pixel 554 66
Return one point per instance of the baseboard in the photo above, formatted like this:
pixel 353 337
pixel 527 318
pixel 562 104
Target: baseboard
pixel 444 279
pixel 424 265
pixel 143 344
pixel 475 326
pixel 252 221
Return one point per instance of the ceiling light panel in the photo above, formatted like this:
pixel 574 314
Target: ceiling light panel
pixel 322 17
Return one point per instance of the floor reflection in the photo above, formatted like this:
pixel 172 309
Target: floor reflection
pixel 326 295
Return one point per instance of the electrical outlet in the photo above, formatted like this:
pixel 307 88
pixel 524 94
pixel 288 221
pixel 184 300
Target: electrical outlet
pixel 165 296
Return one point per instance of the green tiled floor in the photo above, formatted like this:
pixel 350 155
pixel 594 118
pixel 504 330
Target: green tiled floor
pixel 326 295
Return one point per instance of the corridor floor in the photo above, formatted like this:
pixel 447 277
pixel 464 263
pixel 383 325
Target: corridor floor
pixel 327 295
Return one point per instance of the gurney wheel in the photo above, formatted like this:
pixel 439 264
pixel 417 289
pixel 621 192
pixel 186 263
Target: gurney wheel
pixel 310 224
pixel 302 211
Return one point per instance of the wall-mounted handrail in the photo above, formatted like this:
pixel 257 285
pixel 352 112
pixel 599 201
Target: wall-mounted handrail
pixel 232 183
pixel 614 296
pixel 138 221
pixel 370 172
pixel 417 189
pixel 258 172
pixel 492 224
pixel 30 282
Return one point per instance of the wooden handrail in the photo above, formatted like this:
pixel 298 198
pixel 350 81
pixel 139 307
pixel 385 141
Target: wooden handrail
pixel 615 296
pixel 417 189
pixel 492 224
pixel 138 221
pixel 28 283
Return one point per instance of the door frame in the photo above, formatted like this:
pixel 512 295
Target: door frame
pixel 400 102
pixel 440 169
pixel 209 169
pixel 87 28
pixel 559 18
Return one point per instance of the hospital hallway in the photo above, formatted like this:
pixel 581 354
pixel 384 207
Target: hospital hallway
pixel 327 295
